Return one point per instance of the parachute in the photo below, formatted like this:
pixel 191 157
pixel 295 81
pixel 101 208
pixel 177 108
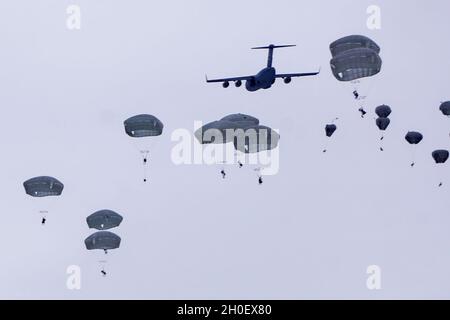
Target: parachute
pixel 143 126
pixel 253 140
pixel 104 220
pixel 224 131
pixel 216 132
pixel 211 131
pixel 43 187
pixel 244 131
pixel 352 42
pixel 256 139
pixel 241 120
pixel 440 157
pixel 102 240
pixel 330 130
pixel 355 64
pixel 383 111
pixel 445 108
pixel 413 138
pixel 383 123
pixel 354 58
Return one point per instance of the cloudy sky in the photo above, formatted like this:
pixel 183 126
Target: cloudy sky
pixel 310 231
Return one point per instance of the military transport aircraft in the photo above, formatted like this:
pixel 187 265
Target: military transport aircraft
pixel 266 77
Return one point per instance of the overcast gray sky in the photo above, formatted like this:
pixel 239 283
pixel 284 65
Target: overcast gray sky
pixel 308 232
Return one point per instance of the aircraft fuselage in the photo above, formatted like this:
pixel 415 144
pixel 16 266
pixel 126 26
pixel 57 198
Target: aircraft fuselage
pixel 262 80
pixel 265 78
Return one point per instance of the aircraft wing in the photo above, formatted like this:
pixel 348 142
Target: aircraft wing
pixel 296 75
pixel 230 79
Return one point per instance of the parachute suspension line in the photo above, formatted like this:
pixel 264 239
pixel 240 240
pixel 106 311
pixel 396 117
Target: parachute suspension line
pixel 145 159
pixel 369 86
pixel 222 164
pixel 369 90
pixel 222 170
pixel 145 156
pixel 359 96
pixel 102 264
pixel 440 171
pixel 258 174
pixel 325 150
pixel 43 214
pixel 413 156
pixel 381 138
pixel 438 175
pixel 240 164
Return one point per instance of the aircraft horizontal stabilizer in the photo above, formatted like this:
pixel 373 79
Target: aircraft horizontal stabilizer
pixel 272 46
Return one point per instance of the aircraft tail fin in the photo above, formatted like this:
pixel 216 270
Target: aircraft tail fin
pixel 270 48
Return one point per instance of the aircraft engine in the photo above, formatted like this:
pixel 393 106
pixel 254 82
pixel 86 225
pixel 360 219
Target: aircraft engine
pixel 226 84
pixel 250 85
pixel 287 80
pixel 238 83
